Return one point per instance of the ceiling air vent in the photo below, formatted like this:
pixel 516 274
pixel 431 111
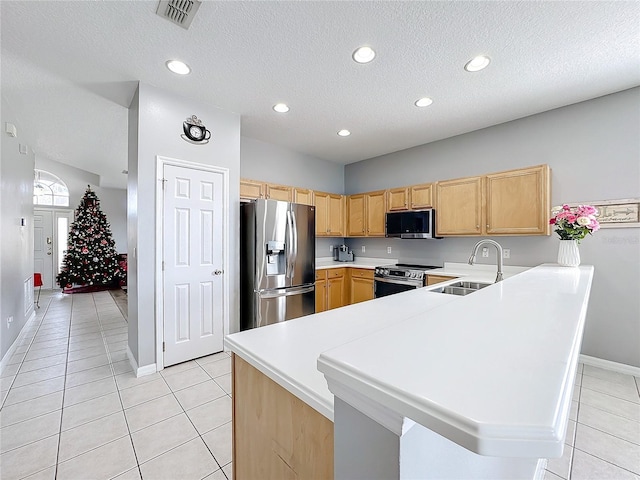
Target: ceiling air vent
pixel 180 12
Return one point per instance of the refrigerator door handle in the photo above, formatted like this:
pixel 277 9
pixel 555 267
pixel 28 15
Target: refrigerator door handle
pixel 294 244
pixel 286 292
pixel 289 271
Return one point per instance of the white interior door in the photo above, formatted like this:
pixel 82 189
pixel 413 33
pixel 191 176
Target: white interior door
pixel 193 256
pixel 43 245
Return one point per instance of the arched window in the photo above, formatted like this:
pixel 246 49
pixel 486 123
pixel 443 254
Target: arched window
pixel 49 190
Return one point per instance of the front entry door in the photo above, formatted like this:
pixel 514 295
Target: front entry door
pixel 43 246
pixel 193 260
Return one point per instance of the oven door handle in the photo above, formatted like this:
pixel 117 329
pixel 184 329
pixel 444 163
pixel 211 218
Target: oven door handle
pixel 398 282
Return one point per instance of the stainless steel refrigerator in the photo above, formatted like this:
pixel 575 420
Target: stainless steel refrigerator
pixel 277 262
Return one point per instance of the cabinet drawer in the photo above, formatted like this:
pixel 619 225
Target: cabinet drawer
pixel 362 273
pixel 335 272
pixel 321 274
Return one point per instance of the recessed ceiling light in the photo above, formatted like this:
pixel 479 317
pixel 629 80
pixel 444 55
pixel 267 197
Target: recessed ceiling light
pixel 364 54
pixel 477 63
pixel 423 102
pixel 281 107
pixel 344 133
pixel 176 66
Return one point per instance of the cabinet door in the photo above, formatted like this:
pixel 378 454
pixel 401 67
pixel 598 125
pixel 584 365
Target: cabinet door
pixel 376 212
pixel 322 213
pixel 433 279
pixel 321 295
pixel 335 217
pixel 421 196
pixel 459 206
pixel 518 202
pixel 356 215
pixel 335 295
pixel 397 199
pixel 361 290
pixel 279 192
pixel 251 189
pixel 303 196
pixel 361 285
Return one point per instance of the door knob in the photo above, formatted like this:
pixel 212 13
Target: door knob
pixel 217 272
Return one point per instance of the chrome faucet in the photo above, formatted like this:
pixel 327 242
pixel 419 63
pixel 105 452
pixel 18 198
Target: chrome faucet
pixel 472 258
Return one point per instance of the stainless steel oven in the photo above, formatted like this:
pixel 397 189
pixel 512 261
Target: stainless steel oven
pixel 390 279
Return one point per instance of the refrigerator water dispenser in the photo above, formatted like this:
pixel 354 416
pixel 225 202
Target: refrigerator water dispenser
pixel 276 264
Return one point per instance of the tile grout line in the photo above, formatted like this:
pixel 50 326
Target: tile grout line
pixel 607 461
pixel 2 404
pixel 64 390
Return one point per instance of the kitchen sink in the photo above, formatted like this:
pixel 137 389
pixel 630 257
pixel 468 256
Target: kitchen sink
pixel 461 288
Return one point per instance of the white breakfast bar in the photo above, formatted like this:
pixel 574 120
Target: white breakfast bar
pixel 424 384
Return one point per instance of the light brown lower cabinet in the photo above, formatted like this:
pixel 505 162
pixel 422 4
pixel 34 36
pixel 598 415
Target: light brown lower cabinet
pixel 361 285
pixel 433 279
pixel 275 434
pixel 331 289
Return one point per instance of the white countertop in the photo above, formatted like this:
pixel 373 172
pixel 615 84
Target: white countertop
pixel 358 262
pixel 287 352
pixel 492 371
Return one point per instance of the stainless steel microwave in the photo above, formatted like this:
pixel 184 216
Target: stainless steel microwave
pixel 411 224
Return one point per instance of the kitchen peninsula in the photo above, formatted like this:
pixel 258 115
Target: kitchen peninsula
pixel 483 382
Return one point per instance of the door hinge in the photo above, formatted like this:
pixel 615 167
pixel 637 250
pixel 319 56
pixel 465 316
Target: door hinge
pixel 164 181
pixel 163 347
pixel 163 265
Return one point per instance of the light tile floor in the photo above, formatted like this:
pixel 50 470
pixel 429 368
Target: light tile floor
pixel 72 408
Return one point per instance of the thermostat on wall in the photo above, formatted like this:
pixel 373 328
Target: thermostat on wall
pixel 10 128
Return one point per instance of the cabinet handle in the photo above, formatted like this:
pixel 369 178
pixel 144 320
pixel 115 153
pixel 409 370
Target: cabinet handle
pixel 487 225
pixel 477 226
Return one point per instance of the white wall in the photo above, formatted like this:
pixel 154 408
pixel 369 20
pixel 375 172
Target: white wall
pixel 16 241
pixel 113 201
pixel 155 128
pixel 593 149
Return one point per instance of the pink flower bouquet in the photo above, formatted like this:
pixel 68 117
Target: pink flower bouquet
pixel 574 223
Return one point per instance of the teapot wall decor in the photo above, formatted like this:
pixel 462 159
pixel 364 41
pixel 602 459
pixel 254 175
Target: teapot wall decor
pixel 195 131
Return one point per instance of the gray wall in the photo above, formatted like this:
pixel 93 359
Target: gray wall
pixel 593 149
pixel 113 201
pixel 271 163
pixel 16 241
pixel 155 126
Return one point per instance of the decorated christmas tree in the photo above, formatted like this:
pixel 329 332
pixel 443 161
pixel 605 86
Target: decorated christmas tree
pixel 91 257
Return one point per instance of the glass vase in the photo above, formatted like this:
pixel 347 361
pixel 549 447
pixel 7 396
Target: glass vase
pixel 568 253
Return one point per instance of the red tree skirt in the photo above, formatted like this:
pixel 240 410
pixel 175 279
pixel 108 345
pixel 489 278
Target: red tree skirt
pixel 89 288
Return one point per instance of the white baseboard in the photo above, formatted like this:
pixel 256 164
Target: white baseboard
pixel 140 371
pixel 16 342
pixel 609 365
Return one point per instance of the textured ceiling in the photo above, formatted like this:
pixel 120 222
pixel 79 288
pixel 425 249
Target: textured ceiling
pixel 69 69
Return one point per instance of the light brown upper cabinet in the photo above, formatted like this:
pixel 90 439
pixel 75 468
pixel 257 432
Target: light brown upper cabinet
pixel 250 189
pixel 376 208
pixel 279 192
pixel 303 196
pixel 421 196
pixel 415 197
pixel 366 214
pixel 459 206
pixel 518 202
pixel 330 215
pixel 356 215
pixel 515 202
pixel 398 199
